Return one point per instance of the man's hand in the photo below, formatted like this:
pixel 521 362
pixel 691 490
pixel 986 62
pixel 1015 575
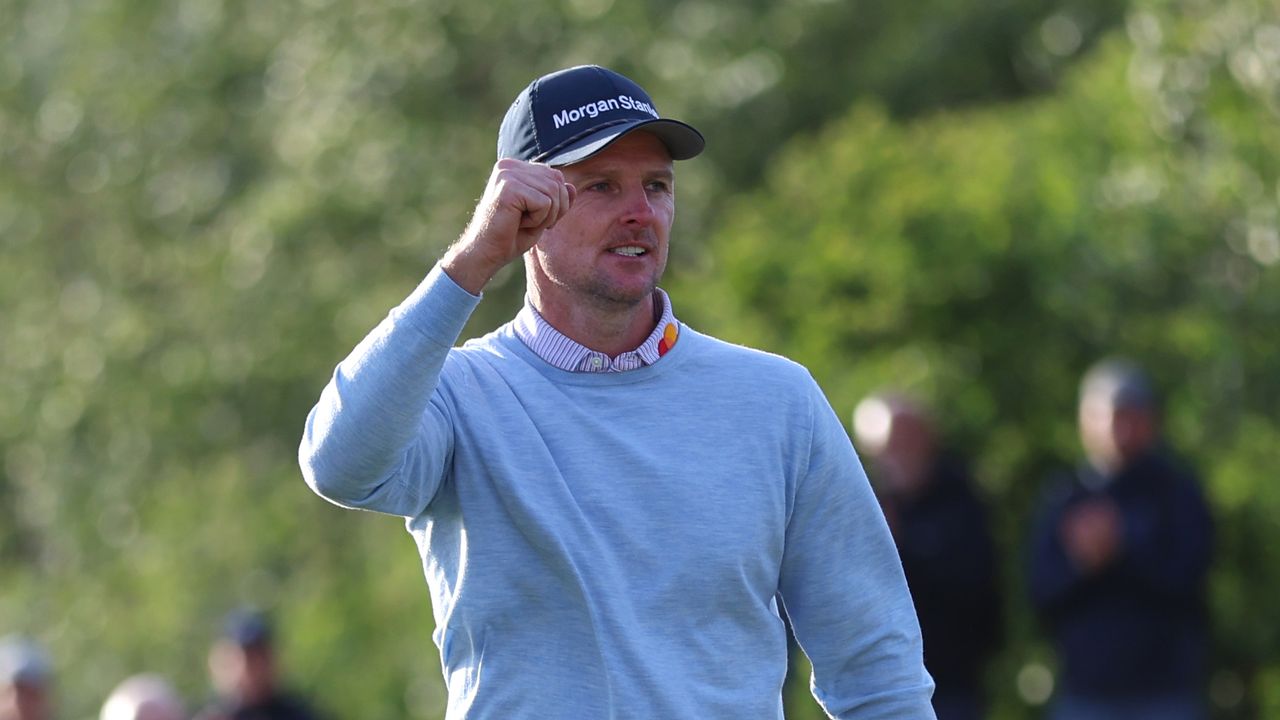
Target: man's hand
pixel 1092 534
pixel 521 201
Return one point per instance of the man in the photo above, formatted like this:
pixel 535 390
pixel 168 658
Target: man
pixel 246 676
pixel 610 505
pixel 941 528
pixel 144 697
pixel 26 680
pixel 1120 554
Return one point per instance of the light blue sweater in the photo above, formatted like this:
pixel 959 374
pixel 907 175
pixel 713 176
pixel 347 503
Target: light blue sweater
pixel 612 545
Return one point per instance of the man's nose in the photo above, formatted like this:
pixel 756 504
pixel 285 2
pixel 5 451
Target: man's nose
pixel 639 208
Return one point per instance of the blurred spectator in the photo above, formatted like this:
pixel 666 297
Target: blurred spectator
pixel 940 527
pixel 26 680
pixel 245 674
pixel 1120 553
pixel 144 697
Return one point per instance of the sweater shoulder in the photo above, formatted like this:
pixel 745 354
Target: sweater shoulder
pixel 492 346
pixel 734 358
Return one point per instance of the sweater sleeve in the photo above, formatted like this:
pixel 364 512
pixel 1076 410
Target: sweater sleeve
pixel 381 436
pixel 844 590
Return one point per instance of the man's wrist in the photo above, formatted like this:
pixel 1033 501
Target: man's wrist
pixel 468 271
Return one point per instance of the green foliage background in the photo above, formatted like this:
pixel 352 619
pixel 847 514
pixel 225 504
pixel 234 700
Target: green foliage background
pixel 205 203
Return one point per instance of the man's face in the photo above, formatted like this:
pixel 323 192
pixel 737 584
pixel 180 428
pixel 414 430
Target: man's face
pixel 908 453
pixel 1113 435
pixel 246 673
pixel 24 701
pixel 610 249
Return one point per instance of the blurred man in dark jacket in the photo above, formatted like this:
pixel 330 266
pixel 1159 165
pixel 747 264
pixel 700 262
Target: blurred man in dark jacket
pixel 246 675
pixel 1119 558
pixel 941 530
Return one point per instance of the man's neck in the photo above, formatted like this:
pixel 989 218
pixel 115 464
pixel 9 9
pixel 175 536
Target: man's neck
pixel 612 330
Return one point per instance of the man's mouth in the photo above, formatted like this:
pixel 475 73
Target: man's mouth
pixel 628 251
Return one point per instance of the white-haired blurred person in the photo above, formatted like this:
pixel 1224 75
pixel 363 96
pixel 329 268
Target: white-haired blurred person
pixel 941 527
pixel 144 697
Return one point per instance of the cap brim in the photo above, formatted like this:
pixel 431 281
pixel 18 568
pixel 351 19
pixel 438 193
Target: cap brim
pixel 682 141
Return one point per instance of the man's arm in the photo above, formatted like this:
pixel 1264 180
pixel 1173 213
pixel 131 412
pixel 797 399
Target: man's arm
pixel 844 590
pixel 379 426
pixel 1168 540
pixel 379 423
pixel 1052 578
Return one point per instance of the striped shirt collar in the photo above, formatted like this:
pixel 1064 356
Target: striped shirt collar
pixel 559 351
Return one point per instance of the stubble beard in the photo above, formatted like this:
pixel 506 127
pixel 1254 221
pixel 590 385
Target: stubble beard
pixel 604 294
pixel 609 297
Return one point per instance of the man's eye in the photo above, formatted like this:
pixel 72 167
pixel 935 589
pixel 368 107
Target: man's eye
pixel 659 186
pixel 598 187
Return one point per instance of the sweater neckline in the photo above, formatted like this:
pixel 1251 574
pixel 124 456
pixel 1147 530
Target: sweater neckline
pixel 671 361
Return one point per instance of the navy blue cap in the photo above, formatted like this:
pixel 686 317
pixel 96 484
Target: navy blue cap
pixel 246 627
pixel 572 114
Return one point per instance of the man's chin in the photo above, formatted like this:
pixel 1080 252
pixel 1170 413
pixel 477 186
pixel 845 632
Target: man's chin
pixel 623 297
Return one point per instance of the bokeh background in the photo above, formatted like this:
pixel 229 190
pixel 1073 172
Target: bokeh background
pixel 205 203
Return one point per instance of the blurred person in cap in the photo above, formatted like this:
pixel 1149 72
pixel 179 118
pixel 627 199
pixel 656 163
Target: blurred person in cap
pixel 144 697
pixel 1120 554
pixel 941 528
pixel 611 506
pixel 26 680
pixel 246 674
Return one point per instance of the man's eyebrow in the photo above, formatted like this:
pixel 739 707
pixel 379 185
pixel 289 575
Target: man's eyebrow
pixel 612 169
pixel 665 174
